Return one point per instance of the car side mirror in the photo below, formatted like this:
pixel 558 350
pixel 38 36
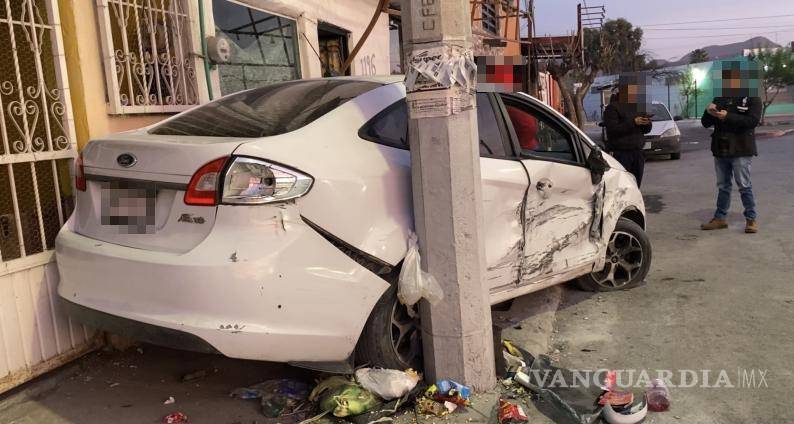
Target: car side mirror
pixel 678 118
pixel 597 164
pixel 601 124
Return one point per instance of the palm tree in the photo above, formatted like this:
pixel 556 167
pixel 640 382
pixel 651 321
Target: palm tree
pixel 698 56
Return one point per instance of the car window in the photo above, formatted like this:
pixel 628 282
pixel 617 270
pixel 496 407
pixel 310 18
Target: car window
pixel 660 113
pixel 491 141
pixel 266 111
pixel 538 135
pixel 390 127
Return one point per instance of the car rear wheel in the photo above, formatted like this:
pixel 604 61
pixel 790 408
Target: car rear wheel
pixel 675 156
pixel 627 263
pixel 392 337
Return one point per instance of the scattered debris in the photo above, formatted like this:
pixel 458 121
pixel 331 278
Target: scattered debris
pixel 112 385
pixel 616 398
pixel 278 397
pixel 343 397
pixel 588 350
pixel 658 396
pixel 631 415
pixel 174 418
pixel 388 384
pixel 194 375
pixel 139 350
pixel 169 401
pixel 510 413
pixel 427 406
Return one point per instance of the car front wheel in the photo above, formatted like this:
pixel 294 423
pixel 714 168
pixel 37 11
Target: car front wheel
pixel 392 337
pixel 627 263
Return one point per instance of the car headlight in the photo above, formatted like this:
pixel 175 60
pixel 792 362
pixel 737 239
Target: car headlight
pixel 671 132
pixel 253 181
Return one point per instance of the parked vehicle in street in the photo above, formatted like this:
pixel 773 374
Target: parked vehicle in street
pixel 271 224
pixel 664 138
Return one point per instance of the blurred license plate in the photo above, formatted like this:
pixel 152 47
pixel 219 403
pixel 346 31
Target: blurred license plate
pixel 648 145
pixel 130 207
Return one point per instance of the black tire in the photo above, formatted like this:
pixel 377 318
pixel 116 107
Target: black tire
pixel 675 156
pixel 380 344
pixel 628 260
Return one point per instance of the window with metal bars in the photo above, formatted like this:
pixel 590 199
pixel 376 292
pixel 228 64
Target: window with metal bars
pixel 490 20
pixel 147 51
pixel 36 150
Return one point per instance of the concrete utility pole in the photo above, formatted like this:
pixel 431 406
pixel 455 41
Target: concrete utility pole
pixel 445 159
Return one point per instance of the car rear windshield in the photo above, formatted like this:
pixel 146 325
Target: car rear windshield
pixel 266 111
pixel 660 113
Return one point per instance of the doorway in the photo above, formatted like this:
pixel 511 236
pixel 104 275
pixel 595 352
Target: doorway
pixel 333 49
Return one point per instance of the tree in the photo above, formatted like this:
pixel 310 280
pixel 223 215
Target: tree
pixel 777 72
pixel 698 56
pixel 688 88
pixel 613 48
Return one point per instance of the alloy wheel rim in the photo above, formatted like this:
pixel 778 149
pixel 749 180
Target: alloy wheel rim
pixel 406 338
pixel 623 263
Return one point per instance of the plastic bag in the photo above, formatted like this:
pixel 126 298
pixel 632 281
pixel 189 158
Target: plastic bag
pixel 388 384
pixel 414 283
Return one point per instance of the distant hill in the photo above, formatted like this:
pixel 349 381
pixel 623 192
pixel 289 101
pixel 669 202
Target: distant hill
pixel 727 50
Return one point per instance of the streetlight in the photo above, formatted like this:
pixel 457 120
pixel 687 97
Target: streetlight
pixel 698 75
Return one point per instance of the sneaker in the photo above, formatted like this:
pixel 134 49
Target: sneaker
pixel 752 227
pixel 715 224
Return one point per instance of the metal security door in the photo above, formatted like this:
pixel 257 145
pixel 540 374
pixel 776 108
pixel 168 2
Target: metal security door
pixel 37 134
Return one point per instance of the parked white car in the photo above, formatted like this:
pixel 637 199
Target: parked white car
pixel 665 137
pixel 271 224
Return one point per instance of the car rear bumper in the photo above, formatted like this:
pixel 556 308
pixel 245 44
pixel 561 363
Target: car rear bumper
pixel 663 145
pixel 263 285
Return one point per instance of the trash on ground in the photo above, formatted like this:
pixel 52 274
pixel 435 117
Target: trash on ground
pixel 452 388
pixel 510 413
pixel 451 407
pixel 174 418
pixel 631 415
pixel 451 393
pixel 511 348
pixel 616 398
pixel 414 283
pixel 114 385
pixel 385 412
pixel 278 397
pixel 194 375
pixel 343 397
pixel 427 406
pixel 388 384
pixel 658 396
pixel 169 401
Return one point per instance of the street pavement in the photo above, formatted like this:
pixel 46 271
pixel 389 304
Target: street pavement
pixel 713 301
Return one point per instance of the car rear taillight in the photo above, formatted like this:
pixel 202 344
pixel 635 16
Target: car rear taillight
pixel 203 187
pixel 250 181
pixel 79 173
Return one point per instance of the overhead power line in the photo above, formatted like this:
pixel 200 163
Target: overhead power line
pixel 716 20
pixel 719 29
pixel 714 35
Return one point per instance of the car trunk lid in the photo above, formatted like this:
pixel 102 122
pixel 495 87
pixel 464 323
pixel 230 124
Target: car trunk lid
pixel 136 183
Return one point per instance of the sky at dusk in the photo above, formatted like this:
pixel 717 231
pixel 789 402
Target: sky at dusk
pixel 558 17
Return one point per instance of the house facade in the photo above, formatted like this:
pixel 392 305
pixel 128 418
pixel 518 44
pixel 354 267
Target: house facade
pixel 75 70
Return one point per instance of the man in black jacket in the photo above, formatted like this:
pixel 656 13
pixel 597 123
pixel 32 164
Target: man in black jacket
pixel 734 117
pixel 627 122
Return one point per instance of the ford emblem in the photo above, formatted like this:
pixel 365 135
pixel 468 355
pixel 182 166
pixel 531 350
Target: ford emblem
pixel 126 160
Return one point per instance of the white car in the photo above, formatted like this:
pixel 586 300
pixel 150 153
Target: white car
pixel 665 137
pixel 271 224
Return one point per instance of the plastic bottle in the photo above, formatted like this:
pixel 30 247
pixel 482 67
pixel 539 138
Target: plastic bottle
pixel 658 396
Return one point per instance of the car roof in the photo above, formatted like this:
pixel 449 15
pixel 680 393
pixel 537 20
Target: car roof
pixel 383 79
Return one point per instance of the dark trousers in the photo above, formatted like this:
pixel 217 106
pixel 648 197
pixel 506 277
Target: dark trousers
pixel 633 161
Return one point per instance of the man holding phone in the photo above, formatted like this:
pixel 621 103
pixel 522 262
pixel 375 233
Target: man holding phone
pixel 734 116
pixel 626 121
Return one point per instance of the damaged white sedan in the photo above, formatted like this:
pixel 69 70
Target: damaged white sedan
pixel 271 224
